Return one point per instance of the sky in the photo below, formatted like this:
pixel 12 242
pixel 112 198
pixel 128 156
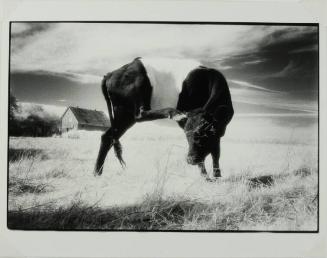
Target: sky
pixel 271 70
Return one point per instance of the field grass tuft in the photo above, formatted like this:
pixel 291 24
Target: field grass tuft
pixel 17 154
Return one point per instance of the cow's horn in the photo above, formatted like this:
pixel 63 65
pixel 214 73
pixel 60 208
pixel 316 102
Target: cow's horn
pixel 179 117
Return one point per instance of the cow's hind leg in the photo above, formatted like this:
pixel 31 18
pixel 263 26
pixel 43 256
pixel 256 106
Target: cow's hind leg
pixel 105 145
pixel 123 121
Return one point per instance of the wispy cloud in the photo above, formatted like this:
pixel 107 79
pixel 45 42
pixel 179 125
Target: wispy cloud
pixel 250 85
pixel 224 67
pixel 277 115
pixel 28 29
pixel 83 53
pixel 281 104
pixel 285 34
pixel 95 49
pixel 311 48
pixel 287 70
pixel 83 78
pixel 19 28
pixel 254 62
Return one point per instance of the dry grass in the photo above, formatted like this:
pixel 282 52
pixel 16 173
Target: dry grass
pixel 266 185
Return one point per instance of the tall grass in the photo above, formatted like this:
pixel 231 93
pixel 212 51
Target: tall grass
pixel 284 202
pixel 265 185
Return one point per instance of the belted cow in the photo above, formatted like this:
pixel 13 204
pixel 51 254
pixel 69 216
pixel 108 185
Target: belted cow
pixel 146 89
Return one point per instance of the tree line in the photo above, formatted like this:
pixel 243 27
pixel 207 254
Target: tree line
pixel 34 124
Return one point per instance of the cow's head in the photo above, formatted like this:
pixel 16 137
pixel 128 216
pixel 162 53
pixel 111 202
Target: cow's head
pixel 200 133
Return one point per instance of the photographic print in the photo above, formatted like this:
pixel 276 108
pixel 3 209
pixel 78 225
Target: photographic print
pixel 163 126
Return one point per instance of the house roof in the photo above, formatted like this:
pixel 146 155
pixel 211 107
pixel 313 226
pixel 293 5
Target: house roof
pixel 90 117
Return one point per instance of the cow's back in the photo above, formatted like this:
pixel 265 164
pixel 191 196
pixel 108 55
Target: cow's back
pixel 166 77
pixel 129 86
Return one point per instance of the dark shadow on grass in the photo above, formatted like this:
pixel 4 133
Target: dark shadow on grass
pixel 17 154
pixel 157 215
pixel 261 181
pixel 166 215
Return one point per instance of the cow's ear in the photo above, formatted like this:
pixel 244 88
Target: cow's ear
pixel 179 116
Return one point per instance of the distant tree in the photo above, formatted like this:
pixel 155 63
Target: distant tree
pixel 13 106
pixel 38 123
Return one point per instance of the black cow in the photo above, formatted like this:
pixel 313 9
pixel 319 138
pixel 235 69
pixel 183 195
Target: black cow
pixel 195 96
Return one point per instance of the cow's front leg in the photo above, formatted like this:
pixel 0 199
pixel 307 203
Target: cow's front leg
pixel 151 115
pixel 203 171
pixel 215 154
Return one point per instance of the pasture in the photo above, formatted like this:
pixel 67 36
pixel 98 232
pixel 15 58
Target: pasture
pixel 269 181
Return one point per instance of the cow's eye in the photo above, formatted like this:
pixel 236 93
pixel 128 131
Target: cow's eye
pixel 197 141
pixel 198 137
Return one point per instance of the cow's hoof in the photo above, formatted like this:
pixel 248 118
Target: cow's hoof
pixel 210 180
pixel 216 173
pixel 97 173
pixel 213 180
pixel 205 176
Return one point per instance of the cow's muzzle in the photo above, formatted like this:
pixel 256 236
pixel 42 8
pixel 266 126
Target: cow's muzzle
pixel 193 160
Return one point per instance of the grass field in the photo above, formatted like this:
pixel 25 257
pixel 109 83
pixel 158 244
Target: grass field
pixel 269 181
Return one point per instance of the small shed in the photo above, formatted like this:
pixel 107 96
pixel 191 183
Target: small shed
pixel 83 119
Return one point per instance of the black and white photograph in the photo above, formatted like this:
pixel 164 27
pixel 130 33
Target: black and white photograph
pixel 163 126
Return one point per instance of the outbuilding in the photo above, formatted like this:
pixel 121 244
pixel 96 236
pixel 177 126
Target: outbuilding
pixel 83 119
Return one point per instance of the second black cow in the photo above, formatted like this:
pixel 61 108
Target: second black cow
pixel 146 89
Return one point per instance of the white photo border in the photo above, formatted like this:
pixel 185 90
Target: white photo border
pixel 162 244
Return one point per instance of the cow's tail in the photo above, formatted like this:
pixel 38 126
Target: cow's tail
pixel 118 149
